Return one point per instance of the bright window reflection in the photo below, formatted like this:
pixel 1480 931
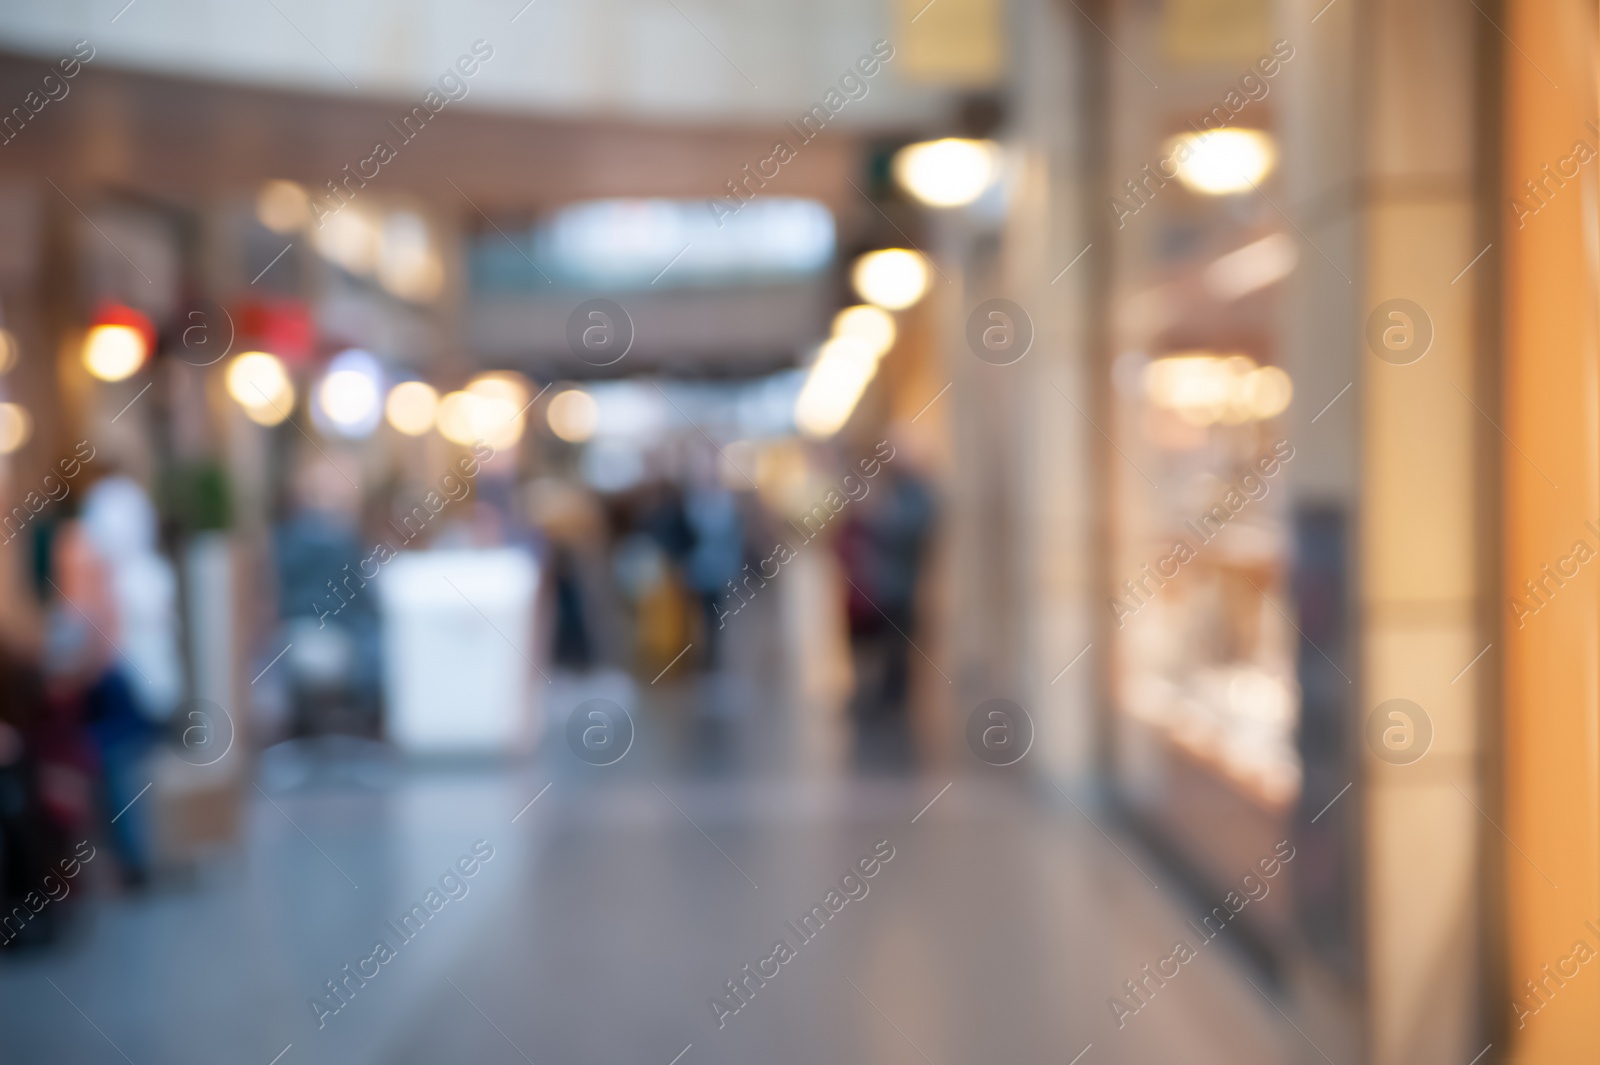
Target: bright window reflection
pixel 658 244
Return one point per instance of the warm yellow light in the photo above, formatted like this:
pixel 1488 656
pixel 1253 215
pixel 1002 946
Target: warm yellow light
pixel 573 415
pixel 349 237
pixel 894 277
pixel 466 417
pixel 8 350
pixel 1205 389
pixel 946 173
pixel 1192 385
pixel 113 352
pixel 258 382
pixel 873 325
pixel 283 207
pixel 505 401
pixel 408 264
pixel 271 414
pixel 15 427
pixel 455 419
pixel 1223 161
pixel 411 407
pixel 501 384
pixel 843 369
pixel 1270 391
pixel 1235 373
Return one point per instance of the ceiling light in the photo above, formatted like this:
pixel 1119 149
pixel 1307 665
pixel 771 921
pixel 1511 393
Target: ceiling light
pixel 573 415
pixel 8 350
pixel 946 173
pixel 844 368
pixel 874 325
pixel 1222 161
pixel 411 407
pixel 894 277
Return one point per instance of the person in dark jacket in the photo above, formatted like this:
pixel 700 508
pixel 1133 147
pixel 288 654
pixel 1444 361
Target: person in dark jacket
pixel 882 548
pixel 31 838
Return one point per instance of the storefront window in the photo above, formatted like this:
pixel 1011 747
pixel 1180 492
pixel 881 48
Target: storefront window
pixel 1204 680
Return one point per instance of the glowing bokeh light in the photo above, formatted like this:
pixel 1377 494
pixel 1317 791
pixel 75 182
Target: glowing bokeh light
pixel 844 368
pixel 15 427
pixel 894 277
pixel 1223 161
pixel 283 206
pixel 412 407
pixel 114 352
pixel 573 415
pixel 872 325
pixel 947 173
pixel 350 394
pixel 258 382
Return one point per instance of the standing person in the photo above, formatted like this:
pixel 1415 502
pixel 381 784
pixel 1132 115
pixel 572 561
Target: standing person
pixel 650 563
pixel 95 732
pixel 881 549
pixel 899 530
pixel 136 693
pixel 714 559
pixel 575 532
pixel 327 610
pixel 122 527
pixel 31 840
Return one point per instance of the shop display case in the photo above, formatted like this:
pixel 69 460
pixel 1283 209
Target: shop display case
pixel 1204 680
pixel 1204 684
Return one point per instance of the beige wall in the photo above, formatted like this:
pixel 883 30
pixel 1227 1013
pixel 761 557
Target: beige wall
pixel 1055 546
pixel 1421 584
pixel 1019 500
pixel 1383 163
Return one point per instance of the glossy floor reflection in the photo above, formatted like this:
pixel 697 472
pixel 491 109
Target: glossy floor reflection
pixel 624 899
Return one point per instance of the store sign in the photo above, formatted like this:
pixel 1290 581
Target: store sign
pixel 952 42
pixel 1202 32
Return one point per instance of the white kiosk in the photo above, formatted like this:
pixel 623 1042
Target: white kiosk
pixel 459 652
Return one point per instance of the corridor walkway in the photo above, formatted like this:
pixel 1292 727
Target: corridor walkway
pixel 996 925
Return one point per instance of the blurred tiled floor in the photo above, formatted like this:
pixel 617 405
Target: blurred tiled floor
pixel 606 920
pixel 626 896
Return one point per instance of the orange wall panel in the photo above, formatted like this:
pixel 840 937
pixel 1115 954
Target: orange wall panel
pixel 1551 421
